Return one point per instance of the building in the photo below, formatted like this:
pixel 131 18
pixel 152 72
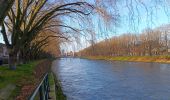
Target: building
pixel 3 51
pixel 71 54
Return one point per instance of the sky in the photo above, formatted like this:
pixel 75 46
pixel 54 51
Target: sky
pixel 134 17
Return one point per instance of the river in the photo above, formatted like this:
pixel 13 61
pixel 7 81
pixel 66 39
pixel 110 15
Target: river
pixel 84 79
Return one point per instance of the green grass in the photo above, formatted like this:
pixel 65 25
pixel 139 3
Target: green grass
pixel 22 75
pixel 59 93
pixel 52 86
pixel 51 79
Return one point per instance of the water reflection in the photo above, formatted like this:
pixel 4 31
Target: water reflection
pixel 84 79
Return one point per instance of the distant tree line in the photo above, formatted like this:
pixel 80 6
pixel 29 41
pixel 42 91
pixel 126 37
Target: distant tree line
pixel 148 43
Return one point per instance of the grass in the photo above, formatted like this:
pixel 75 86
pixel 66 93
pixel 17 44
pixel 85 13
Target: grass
pixel 59 93
pixel 52 86
pixel 158 59
pixel 22 75
pixel 56 92
pixel 51 79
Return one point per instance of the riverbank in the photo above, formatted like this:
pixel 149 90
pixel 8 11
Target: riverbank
pixel 157 59
pixel 52 93
pixel 20 83
pixel 56 92
pixel 58 88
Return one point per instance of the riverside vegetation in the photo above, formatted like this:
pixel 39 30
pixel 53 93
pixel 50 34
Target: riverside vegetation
pixel 151 45
pixel 158 59
pixel 19 84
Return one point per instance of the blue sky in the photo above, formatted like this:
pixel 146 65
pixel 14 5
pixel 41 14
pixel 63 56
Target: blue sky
pixel 145 14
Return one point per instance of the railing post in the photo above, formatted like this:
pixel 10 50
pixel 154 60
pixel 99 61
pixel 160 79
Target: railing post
pixel 43 89
pixel 41 93
pixel 48 86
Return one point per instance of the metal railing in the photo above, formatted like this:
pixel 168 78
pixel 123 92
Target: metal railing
pixel 42 91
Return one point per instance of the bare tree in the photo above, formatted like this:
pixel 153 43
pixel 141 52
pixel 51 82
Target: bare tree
pixel 5 5
pixel 28 18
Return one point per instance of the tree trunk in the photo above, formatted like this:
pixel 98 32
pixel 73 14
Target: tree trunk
pixel 150 50
pixel 12 60
pixel 22 57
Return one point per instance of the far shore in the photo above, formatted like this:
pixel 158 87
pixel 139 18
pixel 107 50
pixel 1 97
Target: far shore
pixel 156 59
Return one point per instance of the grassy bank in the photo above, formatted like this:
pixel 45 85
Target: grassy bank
pixel 158 59
pixel 11 81
pixel 20 83
pixel 59 92
pixel 52 93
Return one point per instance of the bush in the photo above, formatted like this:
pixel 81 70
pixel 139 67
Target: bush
pixel 5 60
pixel 1 61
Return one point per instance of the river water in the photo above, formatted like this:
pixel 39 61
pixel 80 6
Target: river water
pixel 84 79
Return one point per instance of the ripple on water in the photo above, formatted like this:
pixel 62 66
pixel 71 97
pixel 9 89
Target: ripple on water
pixel 84 79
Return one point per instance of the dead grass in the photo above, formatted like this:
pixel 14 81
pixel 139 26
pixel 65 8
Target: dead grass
pixel 158 59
